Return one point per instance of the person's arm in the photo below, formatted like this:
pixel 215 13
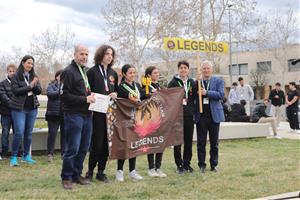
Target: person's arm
pixel 219 93
pixel 16 89
pixel 67 96
pixel 262 110
pixel 251 93
pixel 4 99
pixel 52 91
pixel 230 100
pixel 271 95
pixel 293 100
pixel 282 97
pixel 37 89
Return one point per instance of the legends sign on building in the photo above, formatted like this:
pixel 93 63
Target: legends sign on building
pixel 145 127
pixel 180 44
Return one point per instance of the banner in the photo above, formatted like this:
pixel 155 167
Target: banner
pixel 180 44
pixel 145 127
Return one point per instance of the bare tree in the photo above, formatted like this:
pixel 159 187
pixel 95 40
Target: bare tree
pixel 259 77
pixel 135 25
pixel 52 47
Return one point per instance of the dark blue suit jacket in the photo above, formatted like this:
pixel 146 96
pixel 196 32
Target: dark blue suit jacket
pixel 215 95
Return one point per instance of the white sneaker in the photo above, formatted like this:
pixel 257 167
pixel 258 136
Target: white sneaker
pixel 0 158
pixel 160 173
pixel 134 175
pixel 152 173
pixel 297 131
pixel 277 137
pixel 120 176
pixel 292 131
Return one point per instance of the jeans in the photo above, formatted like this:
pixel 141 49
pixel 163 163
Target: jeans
pixel 53 126
pixel 6 123
pixel 78 132
pixel 23 121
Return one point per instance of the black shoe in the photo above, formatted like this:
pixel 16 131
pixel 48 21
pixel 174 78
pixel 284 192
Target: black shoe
pixel 102 177
pixel 202 170
pixel 89 175
pixel 180 170
pixel 214 169
pixel 188 169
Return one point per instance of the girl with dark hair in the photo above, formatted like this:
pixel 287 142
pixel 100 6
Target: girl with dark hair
pixel 129 89
pixel 54 116
pixel 154 167
pixel 25 86
pixel 103 80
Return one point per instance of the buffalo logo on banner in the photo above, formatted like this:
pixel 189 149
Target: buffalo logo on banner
pixel 145 127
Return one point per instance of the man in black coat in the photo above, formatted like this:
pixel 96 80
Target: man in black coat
pixel 103 80
pixel 238 112
pixel 5 111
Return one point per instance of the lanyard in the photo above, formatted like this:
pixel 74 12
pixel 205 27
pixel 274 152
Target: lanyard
pixel 83 74
pixel 207 87
pixel 134 92
pixel 10 80
pixel 153 88
pixel 186 88
pixel 25 79
pixel 104 76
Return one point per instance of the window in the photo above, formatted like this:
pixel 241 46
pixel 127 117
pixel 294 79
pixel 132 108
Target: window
pixel 293 68
pixel 264 66
pixel 239 69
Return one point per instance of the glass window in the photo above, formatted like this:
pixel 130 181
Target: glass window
pixel 295 67
pixel 264 66
pixel 234 69
pixel 243 68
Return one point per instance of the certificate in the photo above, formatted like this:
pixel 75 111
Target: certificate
pixel 101 103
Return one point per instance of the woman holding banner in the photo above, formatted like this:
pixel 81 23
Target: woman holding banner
pixel 154 166
pixel 129 89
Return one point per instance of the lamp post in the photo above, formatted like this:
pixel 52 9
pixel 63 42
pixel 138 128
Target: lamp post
pixel 230 51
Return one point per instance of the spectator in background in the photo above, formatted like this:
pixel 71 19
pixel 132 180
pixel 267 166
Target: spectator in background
pixel 238 112
pixel 245 92
pixel 277 99
pixel 292 99
pixel 54 116
pixel 259 115
pixel 226 109
pixel 233 97
pixel 6 119
pixel 25 87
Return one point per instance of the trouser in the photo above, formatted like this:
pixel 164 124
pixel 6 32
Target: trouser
pixel 6 123
pixel 23 121
pixel 292 115
pixel 132 163
pixel 154 164
pixel 203 126
pixel 53 126
pixel 271 120
pixel 78 130
pixel 99 143
pixel 276 111
pixel 188 126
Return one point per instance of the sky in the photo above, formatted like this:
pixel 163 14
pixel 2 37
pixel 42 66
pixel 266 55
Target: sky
pixel 20 19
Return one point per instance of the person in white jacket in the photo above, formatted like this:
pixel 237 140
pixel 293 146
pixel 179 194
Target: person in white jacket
pixel 233 96
pixel 246 93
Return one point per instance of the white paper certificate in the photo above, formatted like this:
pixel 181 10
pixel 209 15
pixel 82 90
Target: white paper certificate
pixel 101 103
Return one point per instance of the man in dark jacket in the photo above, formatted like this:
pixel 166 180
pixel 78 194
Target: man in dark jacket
pixel 182 80
pixel 238 112
pixel 5 98
pixel 277 99
pixel 259 115
pixel 76 97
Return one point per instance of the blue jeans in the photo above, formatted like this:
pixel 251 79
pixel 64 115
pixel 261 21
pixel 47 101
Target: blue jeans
pixel 23 121
pixel 78 132
pixel 6 123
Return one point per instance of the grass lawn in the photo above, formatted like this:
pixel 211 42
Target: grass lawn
pixel 248 169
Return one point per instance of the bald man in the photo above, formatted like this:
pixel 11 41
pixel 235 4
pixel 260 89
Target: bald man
pixel 76 97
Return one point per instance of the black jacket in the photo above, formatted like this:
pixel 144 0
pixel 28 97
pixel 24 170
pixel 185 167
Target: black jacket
pixel 154 85
pixel 96 80
pixel 277 102
pixel 54 107
pixel 123 93
pixel 74 92
pixel 188 109
pixel 5 97
pixel 20 91
pixel 259 112
pixel 237 111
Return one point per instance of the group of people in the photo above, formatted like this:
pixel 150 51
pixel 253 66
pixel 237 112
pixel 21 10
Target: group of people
pixel 82 130
pixel 238 103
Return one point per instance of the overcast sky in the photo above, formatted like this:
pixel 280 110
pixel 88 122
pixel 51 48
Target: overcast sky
pixel 20 19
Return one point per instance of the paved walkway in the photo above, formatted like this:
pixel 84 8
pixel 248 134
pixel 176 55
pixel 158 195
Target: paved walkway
pixel 290 195
pixel 283 131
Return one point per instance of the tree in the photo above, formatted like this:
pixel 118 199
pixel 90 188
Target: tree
pixel 259 77
pixel 135 25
